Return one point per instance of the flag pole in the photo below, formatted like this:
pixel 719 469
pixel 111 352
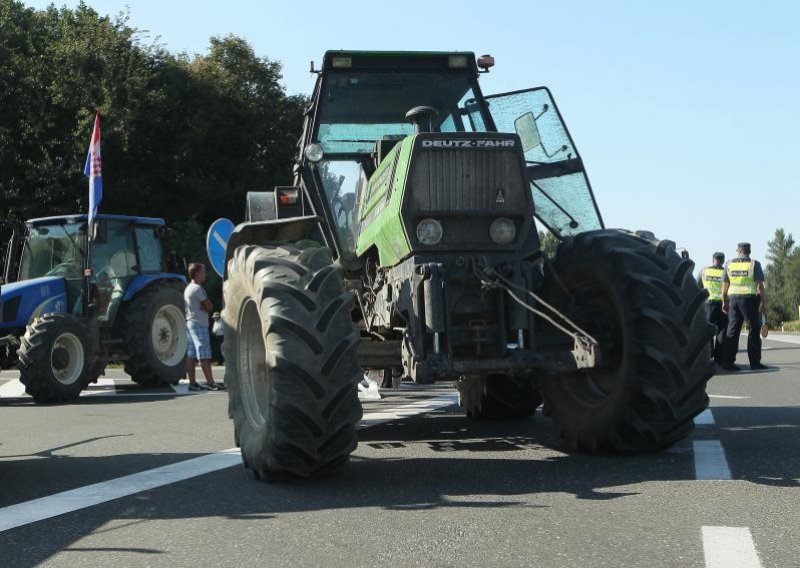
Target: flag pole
pixel 91 224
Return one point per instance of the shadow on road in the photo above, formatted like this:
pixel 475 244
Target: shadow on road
pixel 430 462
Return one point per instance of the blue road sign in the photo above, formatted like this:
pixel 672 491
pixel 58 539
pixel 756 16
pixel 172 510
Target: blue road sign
pixel 217 241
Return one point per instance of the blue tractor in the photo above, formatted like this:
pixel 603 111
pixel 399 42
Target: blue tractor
pixel 71 304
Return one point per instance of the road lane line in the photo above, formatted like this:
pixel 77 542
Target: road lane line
pixel 68 501
pixel 391 414
pixel 784 339
pixel 729 547
pixel 104 387
pixel 43 508
pixel 728 396
pixel 12 389
pixel 710 461
pixel 705 418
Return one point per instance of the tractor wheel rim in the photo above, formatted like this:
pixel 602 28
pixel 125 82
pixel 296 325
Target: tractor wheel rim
pixel 69 373
pixel 252 363
pixel 168 335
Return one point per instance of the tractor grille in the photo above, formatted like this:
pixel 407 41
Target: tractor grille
pixel 467 179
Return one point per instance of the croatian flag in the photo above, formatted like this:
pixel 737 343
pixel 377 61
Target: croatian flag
pixel 93 170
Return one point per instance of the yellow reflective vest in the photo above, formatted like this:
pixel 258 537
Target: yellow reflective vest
pixel 740 276
pixel 712 281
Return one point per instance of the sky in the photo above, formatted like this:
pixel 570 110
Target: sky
pixel 686 113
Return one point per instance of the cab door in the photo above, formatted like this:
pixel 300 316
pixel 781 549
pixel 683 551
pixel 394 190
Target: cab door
pixel 562 196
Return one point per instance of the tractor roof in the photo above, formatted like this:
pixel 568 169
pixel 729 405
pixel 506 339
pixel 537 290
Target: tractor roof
pixel 393 60
pixel 82 217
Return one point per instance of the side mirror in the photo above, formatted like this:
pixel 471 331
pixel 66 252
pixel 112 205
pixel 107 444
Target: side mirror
pixel 525 126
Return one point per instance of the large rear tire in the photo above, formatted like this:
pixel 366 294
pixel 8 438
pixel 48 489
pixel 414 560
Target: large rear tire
pixel 154 328
pixel 499 397
pixel 639 299
pixel 291 363
pixel 56 357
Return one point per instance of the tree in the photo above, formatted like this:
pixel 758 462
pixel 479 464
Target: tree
pixel 548 243
pixel 183 137
pixel 782 272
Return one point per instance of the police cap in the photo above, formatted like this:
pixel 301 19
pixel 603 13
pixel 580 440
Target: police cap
pixel 719 256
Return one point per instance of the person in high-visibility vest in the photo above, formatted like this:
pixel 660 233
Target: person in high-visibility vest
pixel 743 298
pixel 711 279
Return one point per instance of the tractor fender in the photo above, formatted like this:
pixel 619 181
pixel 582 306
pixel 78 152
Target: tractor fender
pixel 29 299
pixel 141 282
pixel 262 232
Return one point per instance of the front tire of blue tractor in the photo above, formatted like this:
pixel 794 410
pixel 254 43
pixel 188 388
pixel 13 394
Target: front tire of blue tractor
pixel 291 363
pixel 638 298
pixel 154 329
pixel 56 357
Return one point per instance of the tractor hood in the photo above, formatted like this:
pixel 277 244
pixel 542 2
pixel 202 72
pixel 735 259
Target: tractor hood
pixel 20 302
pixel 460 182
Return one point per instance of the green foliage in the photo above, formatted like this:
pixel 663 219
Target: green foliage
pixel 183 137
pixel 782 279
pixel 791 326
pixel 549 243
pixel 188 239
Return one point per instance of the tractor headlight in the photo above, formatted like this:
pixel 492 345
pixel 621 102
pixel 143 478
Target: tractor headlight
pixel 502 230
pixel 429 232
pixel 313 152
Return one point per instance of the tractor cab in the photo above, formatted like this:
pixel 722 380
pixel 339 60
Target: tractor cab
pixel 53 257
pixel 370 106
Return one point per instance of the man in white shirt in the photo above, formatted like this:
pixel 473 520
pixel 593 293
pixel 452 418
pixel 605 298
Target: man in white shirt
pixel 198 306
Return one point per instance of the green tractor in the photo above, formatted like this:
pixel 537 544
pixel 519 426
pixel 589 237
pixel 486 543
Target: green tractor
pixel 73 301
pixel 408 248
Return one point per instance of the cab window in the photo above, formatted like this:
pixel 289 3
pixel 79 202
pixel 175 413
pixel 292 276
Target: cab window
pixel 149 248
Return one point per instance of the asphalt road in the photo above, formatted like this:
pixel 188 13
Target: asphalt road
pixel 432 488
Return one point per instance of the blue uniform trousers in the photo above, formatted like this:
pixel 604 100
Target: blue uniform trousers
pixel 741 309
pixel 719 320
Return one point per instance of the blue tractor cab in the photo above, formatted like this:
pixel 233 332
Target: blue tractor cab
pixel 72 302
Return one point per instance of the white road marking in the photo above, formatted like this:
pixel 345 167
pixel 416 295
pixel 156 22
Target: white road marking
pixel 391 414
pixel 710 461
pixel 103 387
pixel 705 418
pixel 12 389
pixel 728 396
pixel 785 338
pixel 75 499
pixel 43 508
pixel 729 547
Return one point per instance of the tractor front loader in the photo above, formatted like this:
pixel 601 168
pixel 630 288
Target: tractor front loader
pixel 408 247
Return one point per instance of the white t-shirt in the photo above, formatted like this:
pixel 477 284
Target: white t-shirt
pixel 194 295
pixel 217 328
